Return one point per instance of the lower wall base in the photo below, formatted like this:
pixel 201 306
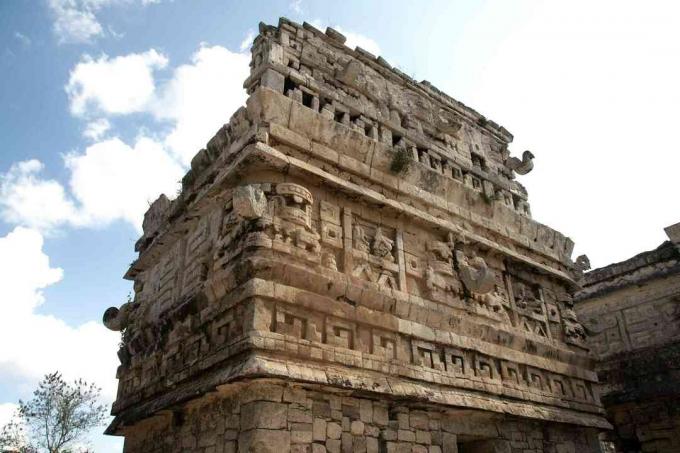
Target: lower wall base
pixel 649 426
pixel 265 416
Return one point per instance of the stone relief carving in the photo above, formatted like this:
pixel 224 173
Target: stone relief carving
pixel 581 264
pixel 573 330
pixel 382 245
pixel 374 256
pixel 439 272
pixel 523 166
pixel 474 273
pixel 117 319
pixel 328 260
pixel 360 239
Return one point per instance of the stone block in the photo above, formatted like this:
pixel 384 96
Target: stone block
pixel 264 441
pixel 264 414
pixel 333 430
pixel 319 429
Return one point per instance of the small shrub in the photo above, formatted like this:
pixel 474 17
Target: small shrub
pixel 400 161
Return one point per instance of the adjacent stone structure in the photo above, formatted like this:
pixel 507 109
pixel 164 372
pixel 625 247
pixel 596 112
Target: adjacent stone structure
pixel 351 267
pixel 632 313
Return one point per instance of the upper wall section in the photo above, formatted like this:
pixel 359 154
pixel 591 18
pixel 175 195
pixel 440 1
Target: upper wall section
pixel 413 121
pixel 635 304
pixel 366 93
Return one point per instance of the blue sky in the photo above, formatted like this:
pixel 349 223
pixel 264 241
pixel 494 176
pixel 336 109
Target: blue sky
pixel 104 102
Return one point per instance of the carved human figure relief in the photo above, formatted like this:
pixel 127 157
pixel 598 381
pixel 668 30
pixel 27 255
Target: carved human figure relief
pixel 359 238
pixel 382 245
pixel 328 260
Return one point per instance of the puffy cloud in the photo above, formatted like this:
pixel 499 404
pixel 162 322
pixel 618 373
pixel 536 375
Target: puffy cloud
pixel 96 129
pixel 32 344
pixel 27 199
pixel 112 180
pixel 353 39
pixel 117 85
pixel 200 97
pixel 109 181
pixel 24 271
pixel 75 21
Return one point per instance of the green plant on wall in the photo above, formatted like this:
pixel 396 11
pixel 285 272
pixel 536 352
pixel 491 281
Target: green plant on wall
pixel 400 161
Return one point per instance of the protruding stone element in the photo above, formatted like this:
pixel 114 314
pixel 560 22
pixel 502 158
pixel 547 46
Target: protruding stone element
pixel 521 167
pixel 475 274
pixel 116 319
pixel 350 72
pixel 249 202
pixel 335 35
pixel 448 123
pixel 582 263
pixel 673 233
pixel 155 216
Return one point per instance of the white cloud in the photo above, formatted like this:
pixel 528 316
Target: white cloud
pixel 27 199
pixel 24 271
pixel 109 181
pixel 358 40
pixel 32 344
pixel 112 180
pixel 354 39
pixel 117 85
pixel 96 129
pixel 200 97
pixel 76 21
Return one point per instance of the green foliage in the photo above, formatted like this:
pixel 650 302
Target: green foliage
pixel 400 161
pixel 55 419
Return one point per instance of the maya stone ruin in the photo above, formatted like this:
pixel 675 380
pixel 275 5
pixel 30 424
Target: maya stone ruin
pixel 351 266
pixel 631 310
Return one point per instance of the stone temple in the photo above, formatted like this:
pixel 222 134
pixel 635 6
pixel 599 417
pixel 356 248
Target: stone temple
pixel 631 310
pixel 352 267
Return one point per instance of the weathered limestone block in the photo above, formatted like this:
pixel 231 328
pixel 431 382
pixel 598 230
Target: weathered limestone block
pixel 249 202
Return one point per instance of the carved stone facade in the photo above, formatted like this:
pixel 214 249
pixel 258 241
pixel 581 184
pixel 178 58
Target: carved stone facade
pixel 351 266
pixel 631 311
